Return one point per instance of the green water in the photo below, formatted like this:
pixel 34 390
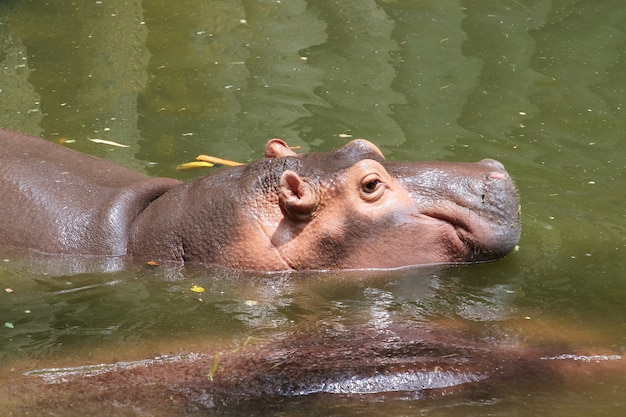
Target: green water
pixel 538 85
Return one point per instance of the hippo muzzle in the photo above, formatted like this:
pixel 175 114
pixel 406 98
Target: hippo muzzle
pixel 476 202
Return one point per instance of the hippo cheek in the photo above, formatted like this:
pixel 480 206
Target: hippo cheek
pixel 449 234
pixel 407 240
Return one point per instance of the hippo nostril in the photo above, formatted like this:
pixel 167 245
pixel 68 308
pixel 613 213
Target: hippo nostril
pixel 499 173
pixel 497 165
pixel 497 176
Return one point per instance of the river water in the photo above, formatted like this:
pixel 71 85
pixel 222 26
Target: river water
pixel 538 84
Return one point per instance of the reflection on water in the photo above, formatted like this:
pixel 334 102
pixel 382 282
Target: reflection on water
pixel 74 311
pixel 92 323
pixel 538 85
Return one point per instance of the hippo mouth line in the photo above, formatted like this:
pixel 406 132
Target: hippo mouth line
pixel 471 239
pixel 459 234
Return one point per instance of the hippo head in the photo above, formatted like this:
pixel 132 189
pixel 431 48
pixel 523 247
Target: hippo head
pixel 350 208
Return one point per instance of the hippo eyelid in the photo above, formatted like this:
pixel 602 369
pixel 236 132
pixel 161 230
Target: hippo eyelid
pixel 372 187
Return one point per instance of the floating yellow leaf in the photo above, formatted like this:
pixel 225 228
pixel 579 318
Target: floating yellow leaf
pixel 250 341
pixel 109 142
pixel 196 288
pixel 216 160
pixel 192 165
pixel 216 362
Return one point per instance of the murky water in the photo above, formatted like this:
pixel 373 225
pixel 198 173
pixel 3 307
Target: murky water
pixel 539 85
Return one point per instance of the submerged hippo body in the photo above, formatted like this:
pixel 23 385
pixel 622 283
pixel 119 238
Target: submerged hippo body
pixel 344 209
pixel 319 367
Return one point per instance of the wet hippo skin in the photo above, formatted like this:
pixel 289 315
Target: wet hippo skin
pixel 349 208
pixel 314 365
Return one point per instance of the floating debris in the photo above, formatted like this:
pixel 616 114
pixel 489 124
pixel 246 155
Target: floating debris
pixel 193 165
pixel 196 288
pixel 109 142
pixel 219 161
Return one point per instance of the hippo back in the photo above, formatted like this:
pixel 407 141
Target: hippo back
pixel 62 201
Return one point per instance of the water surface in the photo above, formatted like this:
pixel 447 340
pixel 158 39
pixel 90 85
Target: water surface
pixel 538 85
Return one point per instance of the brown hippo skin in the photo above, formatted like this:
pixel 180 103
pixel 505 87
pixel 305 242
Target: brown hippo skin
pixel 349 208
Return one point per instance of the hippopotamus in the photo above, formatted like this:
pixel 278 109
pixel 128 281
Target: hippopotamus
pixel 263 377
pixel 349 208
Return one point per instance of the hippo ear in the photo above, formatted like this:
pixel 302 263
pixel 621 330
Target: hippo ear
pixel 276 148
pixel 297 198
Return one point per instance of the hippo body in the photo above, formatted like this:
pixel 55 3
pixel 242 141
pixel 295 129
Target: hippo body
pixel 349 208
pixel 307 369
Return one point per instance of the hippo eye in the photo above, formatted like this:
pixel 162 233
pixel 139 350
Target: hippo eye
pixel 370 187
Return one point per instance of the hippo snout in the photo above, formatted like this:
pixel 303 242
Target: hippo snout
pixel 477 203
pixel 498 215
